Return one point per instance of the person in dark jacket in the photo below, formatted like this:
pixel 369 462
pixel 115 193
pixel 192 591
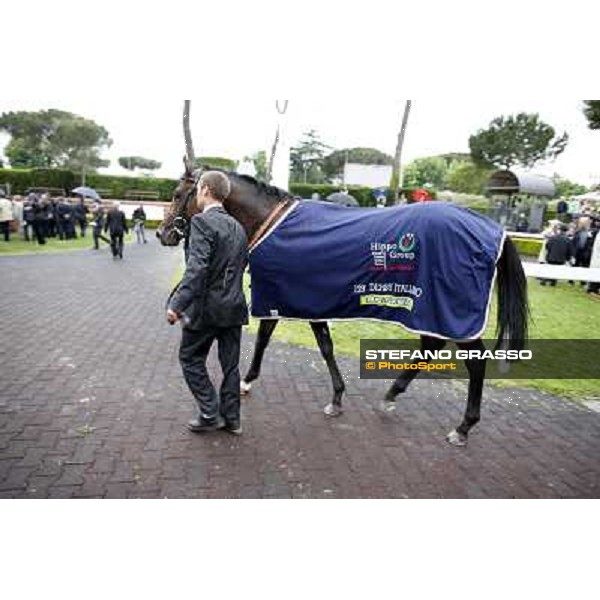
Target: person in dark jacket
pixel 97 226
pixel 211 303
pixel 39 221
pixel 53 218
pixel 28 218
pixel 139 221
pixel 116 225
pixel 558 251
pixel 66 220
pixel 582 244
pixel 81 211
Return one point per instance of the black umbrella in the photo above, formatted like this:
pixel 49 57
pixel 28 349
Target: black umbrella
pixel 343 199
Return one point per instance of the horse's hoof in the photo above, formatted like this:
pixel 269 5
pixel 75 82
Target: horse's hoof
pixel 387 406
pixel 245 388
pixel 333 411
pixel 457 439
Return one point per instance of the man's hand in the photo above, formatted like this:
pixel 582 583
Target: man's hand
pixel 173 317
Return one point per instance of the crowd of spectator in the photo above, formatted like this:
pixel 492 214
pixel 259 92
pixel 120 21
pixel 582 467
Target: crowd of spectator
pixel 573 239
pixel 37 218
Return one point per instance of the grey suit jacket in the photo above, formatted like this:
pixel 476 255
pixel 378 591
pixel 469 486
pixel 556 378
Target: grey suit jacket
pixel 211 293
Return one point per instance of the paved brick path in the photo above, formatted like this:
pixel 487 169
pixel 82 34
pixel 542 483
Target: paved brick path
pixel 92 404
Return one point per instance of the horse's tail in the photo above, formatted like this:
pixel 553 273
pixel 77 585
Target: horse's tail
pixel 513 305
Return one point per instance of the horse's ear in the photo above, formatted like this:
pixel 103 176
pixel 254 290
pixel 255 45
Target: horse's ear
pixel 188 165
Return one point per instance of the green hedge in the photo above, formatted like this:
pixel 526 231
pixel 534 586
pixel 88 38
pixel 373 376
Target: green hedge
pixel 22 179
pixel 527 247
pixel 119 186
pixel 363 195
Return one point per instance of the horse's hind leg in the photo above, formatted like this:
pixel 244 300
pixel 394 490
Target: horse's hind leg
pixel 401 384
pixel 265 331
pixel 476 368
pixel 323 337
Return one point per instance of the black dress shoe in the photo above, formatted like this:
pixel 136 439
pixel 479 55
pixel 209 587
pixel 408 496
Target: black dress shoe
pixel 197 426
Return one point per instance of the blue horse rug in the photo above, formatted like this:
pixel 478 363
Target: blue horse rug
pixel 428 267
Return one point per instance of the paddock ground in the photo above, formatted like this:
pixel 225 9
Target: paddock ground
pixel 93 404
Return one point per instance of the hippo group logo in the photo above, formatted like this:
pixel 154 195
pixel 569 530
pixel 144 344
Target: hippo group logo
pixel 407 242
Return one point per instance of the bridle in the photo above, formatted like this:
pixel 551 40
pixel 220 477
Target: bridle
pixel 181 221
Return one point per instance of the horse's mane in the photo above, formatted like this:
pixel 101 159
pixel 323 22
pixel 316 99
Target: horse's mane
pixel 268 190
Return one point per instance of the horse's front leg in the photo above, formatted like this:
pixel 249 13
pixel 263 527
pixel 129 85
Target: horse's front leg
pixel 408 376
pixel 265 332
pixel 476 368
pixel 325 342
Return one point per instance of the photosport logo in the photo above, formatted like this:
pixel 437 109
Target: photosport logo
pixel 540 359
pixel 395 256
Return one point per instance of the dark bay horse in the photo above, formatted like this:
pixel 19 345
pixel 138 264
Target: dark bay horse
pixel 257 207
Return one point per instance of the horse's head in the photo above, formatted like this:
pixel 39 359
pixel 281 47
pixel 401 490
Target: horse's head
pixel 250 202
pixel 175 227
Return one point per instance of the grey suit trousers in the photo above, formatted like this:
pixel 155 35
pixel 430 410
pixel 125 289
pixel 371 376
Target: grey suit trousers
pixel 194 350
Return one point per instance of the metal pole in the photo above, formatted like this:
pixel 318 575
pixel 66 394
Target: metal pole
pixel 398 175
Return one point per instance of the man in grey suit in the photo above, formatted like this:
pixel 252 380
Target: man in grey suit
pixel 211 303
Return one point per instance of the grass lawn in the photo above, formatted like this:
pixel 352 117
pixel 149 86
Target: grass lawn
pixel 564 312
pixel 17 246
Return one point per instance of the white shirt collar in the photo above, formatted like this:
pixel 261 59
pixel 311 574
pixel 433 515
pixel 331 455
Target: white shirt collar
pixel 210 207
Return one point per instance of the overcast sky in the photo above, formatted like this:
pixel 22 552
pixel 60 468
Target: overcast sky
pixel 234 127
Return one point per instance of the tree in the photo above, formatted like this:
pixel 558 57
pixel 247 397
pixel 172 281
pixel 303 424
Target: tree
pixel 466 177
pixel 138 162
pixel 216 162
pixel 566 188
pixel 260 164
pixel 307 159
pixel 426 171
pixel 54 138
pixel 334 163
pixel 516 140
pixel 592 112
pixel 23 156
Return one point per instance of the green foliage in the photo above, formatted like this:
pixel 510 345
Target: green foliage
pixel 454 157
pixel 566 188
pixel 139 162
pixel 20 180
pixel 216 162
pixel 54 138
pixel 260 164
pixel 364 195
pixel 465 177
pixel 334 163
pixel 430 171
pixel 516 140
pixel 527 247
pixel 22 156
pixel 592 113
pixel 119 186
pixel 307 159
